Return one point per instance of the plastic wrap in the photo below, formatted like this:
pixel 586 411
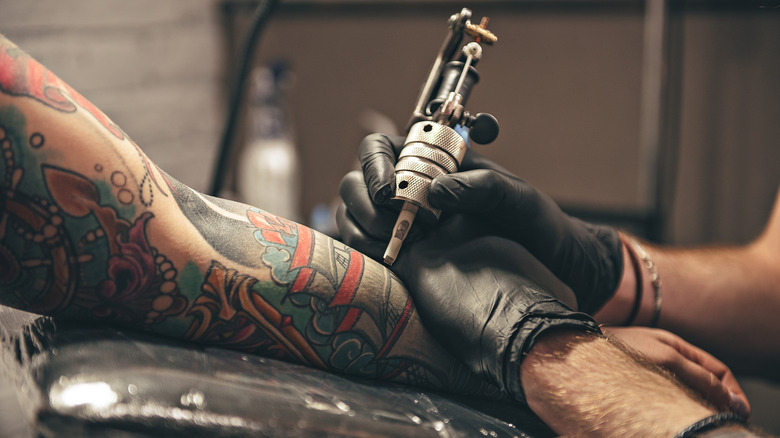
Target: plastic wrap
pixel 90 381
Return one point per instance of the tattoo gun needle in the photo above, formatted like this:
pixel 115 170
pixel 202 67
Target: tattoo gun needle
pixel 400 230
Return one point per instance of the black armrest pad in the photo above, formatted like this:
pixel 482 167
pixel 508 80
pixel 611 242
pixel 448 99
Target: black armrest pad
pixel 85 380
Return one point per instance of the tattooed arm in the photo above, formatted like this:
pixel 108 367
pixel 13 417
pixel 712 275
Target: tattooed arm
pixel 91 229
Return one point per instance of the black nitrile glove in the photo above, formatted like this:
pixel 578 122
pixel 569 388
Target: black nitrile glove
pixel 378 154
pixel 483 297
pixel 588 258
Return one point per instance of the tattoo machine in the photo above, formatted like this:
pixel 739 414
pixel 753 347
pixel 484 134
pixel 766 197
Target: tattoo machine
pixel 437 137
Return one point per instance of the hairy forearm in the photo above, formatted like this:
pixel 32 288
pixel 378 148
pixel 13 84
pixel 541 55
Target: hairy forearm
pixel 91 229
pixel 584 385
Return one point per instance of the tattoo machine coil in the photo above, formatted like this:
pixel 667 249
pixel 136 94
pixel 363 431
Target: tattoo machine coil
pixel 436 140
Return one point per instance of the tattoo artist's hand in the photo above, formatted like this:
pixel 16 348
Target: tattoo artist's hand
pixel 586 257
pixel 478 295
pixel 693 366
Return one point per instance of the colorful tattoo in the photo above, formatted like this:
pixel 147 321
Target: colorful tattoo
pixel 23 76
pixel 63 242
pixel 321 307
pixel 220 222
pixel 75 242
pixel 76 247
pixel 233 313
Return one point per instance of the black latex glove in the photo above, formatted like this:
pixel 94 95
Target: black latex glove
pixel 588 258
pixel 483 297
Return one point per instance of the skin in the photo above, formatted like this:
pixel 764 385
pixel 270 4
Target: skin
pixel 696 367
pixel 485 189
pixel 568 388
pixel 717 298
pixel 91 229
pixel 701 371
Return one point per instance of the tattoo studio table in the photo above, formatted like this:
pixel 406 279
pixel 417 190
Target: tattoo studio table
pixel 76 380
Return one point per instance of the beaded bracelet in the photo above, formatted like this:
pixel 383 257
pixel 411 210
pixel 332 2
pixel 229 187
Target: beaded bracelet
pixel 711 422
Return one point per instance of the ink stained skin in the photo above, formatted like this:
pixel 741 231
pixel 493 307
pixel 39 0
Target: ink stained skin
pixel 140 288
pixel 30 79
pixel 76 244
pixel 236 310
pixel 37 243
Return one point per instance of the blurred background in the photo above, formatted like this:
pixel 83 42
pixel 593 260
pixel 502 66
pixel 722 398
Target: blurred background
pixel 661 117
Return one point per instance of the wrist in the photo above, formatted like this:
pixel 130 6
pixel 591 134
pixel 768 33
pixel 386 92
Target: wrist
pixel 579 383
pixel 617 310
pixel 649 311
pixel 638 298
pixel 542 328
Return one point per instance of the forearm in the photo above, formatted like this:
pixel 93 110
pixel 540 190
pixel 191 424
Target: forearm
pixel 584 385
pixel 716 298
pixel 724 300
pixel 91 229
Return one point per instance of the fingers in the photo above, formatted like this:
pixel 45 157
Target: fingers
pixel 701 380
pixel 506 201
pixel 474 191
pixel 377 154
pixel 720 376
pixel 362 224
pixel 511 208
pixel 693 366
pixel 374 222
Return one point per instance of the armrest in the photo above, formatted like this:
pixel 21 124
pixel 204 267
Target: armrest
pixel 87 380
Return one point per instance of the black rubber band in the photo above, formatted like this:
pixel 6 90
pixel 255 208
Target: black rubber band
pixel 711 422
pixel 639 283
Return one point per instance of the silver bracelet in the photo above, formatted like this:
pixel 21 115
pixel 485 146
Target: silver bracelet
pixel 655 280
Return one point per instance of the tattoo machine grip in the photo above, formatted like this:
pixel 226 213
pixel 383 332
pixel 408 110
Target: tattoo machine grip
pixel 433 146
pixel 430 150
